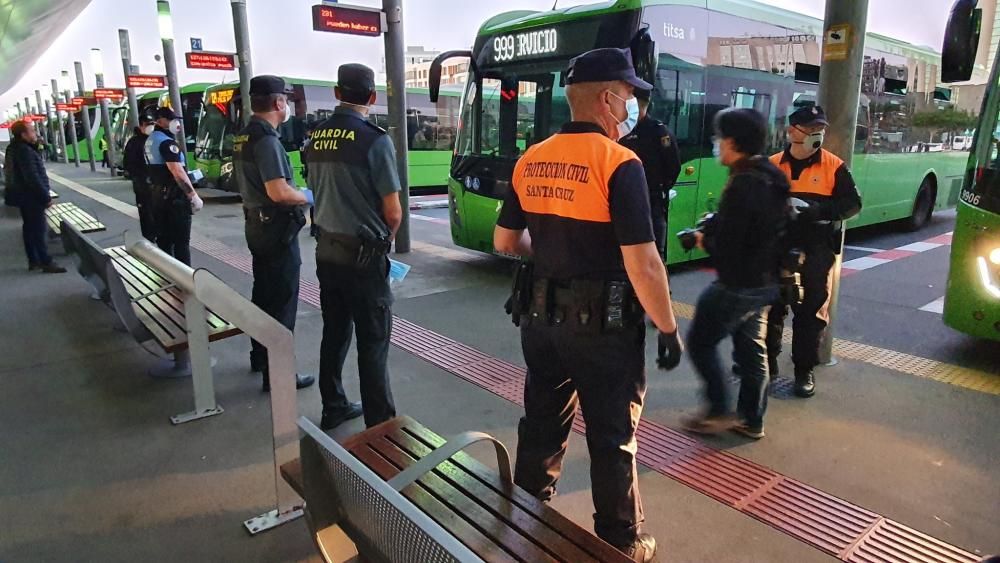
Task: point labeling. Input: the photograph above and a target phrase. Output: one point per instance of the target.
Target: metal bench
(91, 260)
(156, 303)
(72, 214)
(399, 492)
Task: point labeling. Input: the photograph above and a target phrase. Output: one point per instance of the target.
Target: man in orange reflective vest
(580, 208)
(828, 196)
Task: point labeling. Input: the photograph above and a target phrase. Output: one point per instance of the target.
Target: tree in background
(948, 120)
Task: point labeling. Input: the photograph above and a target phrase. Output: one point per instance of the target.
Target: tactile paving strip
(830, 524)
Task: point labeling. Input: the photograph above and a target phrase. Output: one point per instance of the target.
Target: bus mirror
(644, 56)
(434, 76)
(961, 41)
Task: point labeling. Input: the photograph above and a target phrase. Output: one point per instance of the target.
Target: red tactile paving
(832, 525)
(893, 254)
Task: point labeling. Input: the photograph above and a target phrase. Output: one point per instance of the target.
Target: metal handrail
(179, 273)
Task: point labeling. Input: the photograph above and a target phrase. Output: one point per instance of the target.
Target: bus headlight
(986, 276)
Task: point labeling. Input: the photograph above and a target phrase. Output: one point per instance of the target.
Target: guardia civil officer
(174, 200)
(653, 142)
(352, 168)
(579, 208)
(272, 206)
(823, 181)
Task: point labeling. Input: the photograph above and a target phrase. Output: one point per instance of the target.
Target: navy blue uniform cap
(165, 113)
(356, 77)
(602, 65)
(267, 84)
(809, 115)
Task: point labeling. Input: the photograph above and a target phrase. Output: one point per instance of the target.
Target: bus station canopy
(27, 29)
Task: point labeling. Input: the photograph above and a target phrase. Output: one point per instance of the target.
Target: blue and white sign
(196, 44)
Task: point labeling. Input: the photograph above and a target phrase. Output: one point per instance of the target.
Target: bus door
(681, 110)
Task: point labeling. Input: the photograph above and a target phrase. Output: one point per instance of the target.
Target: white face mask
(717, 149)
(147, 130)
(175, 126)
(632, 108)
(815, 140)
(288, 112)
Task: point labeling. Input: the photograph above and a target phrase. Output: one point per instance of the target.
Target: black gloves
(669, 349)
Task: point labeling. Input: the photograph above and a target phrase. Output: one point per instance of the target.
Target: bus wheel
(923, 206)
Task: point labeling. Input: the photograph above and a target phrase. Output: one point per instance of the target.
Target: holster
(271, 229)
(519, 302)
(346, 250)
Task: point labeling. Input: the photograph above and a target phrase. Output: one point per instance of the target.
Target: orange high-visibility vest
(819, 179)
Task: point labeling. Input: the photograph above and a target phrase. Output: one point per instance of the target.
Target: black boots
(332, 419)
(301, 382)
(805, 383)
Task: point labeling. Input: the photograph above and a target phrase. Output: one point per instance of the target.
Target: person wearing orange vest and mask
(828, 197)
(579, 208)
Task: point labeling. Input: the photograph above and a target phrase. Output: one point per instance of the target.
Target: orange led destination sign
(352, 20)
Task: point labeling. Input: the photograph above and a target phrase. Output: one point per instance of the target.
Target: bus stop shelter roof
(27, 29)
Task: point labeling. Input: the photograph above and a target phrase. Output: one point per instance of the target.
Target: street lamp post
(38, 104)
(78, 67)
(97, 63)
(59, 120)
(66, 85)
(166, 25)
(133, 104)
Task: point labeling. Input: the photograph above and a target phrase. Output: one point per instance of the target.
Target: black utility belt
(270, 214)
(345, 250)
(583, 305)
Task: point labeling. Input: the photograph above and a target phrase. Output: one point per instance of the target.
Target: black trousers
(605, 375)
(33, 230)
(144, 202)
(275, 289)
(172, 217)
(658, 206)
(356, 301)
(811, 316)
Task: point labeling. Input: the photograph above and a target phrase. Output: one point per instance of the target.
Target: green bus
(431, 129)
(972, 298)
(96, 132)
(192, 96)
(702, 56)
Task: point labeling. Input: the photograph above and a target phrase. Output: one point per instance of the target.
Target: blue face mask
(632, 108)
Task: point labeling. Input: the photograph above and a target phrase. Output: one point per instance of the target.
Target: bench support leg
(270, 520)
(201, 363)
(180, 366)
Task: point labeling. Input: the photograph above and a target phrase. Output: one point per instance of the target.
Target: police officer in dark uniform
(134, 162)
(653, 142)
(272, 206)
(583, 200)
(824, 183)
(174, 200)
(352, 168)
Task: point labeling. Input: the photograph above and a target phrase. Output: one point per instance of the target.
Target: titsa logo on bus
(327, 139)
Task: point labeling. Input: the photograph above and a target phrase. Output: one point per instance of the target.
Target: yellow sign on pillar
(837, 42)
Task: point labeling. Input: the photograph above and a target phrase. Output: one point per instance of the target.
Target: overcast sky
(283, 41)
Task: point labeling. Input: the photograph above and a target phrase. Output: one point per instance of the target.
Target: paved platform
(90, 468)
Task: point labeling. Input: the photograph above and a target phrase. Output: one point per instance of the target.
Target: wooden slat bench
(91, 260)
(475, 505)
(158, 305)
(69, 212)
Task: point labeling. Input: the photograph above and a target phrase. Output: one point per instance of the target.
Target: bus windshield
(983, 191)
(215, 132)
(506, 113)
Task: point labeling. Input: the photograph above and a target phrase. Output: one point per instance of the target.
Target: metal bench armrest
(444, 453)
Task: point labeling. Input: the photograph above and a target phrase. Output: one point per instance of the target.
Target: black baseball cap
(145, 118)
(356, 78)
(267, 84)
(809, 115)
(164, 113)
(601, 65)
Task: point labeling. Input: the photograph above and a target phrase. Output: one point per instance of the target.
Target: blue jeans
(33, 231)
(742, 314)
